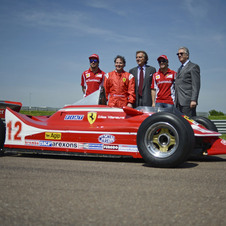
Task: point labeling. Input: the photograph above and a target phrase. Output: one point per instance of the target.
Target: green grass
(37, 113)
(222, 117)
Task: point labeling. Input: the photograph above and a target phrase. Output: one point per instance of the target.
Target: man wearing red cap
(163, 85)
(92, 79)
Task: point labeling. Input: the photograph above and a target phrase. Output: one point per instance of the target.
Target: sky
(45, 44)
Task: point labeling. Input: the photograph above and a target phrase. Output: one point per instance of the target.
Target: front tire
(165, 140)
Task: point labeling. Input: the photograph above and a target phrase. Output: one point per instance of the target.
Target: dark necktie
(180, 68)
(141, 80)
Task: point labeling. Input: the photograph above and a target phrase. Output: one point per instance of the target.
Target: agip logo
(52, 136)
(91, 116)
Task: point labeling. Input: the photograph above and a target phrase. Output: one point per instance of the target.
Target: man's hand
(193, 104)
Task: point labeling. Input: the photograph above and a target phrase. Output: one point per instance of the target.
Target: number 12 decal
(17, 127)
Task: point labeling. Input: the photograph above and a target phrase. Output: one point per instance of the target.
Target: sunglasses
(93, 60)
(162, 61)
(181, 54)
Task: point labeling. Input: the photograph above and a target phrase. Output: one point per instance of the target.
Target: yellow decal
(53, 136)
(124, 79)
(190, 120)
(92, 117)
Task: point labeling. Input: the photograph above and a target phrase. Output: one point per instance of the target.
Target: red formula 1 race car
(162, 137)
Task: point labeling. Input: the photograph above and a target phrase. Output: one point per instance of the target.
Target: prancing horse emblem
(92, 117)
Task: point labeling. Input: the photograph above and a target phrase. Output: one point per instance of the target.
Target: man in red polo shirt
(92, 79)
(163, 82)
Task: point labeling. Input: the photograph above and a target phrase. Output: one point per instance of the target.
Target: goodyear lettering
(74, 117)
(53, 136)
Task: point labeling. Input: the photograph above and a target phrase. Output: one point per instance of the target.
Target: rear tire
(165, 140)
(208, 124)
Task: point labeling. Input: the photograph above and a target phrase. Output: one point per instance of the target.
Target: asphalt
(50, 190)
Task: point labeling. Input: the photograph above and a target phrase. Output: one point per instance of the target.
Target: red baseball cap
(94, 56)
(162, 56)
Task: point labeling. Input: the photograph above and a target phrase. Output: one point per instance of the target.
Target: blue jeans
(163, 105)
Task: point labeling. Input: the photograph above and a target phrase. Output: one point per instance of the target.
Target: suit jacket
(146, 92)
(187, 84)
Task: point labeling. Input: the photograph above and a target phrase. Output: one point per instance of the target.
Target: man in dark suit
(143, 79)
(187, 84)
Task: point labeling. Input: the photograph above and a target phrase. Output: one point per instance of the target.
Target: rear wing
(16, 106)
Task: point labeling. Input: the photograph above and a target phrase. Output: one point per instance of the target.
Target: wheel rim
(161, 139)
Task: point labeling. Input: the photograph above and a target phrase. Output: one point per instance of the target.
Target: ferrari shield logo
(92, 117)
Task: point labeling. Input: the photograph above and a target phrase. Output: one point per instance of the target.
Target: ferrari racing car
(162, 137)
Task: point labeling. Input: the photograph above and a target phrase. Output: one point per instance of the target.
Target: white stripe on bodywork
(204, 132)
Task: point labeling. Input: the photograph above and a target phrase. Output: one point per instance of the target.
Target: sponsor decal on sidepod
(106, 139)
(74, 117)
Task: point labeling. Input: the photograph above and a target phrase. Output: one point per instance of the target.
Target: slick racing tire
(2, 136)
(208, 124)
(165, 140)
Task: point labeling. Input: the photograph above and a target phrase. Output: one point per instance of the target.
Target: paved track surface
(44, 190)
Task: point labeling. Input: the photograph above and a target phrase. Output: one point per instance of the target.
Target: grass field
(37, 113)
(223, 117)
